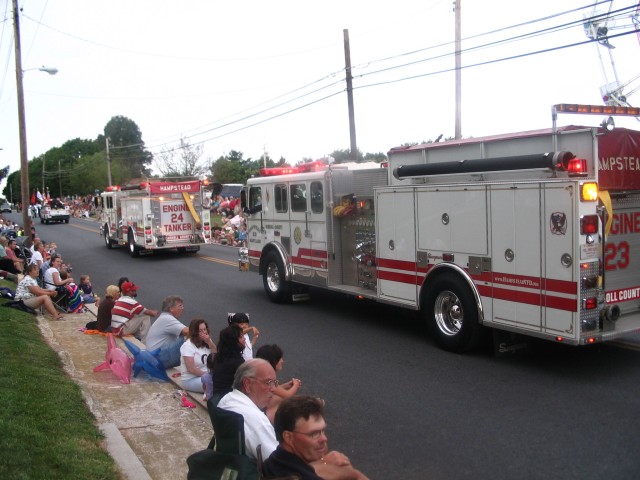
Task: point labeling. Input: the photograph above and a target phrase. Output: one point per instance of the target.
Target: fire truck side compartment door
(560, 295)
(453, 219)
(516, 251)
(396, 245)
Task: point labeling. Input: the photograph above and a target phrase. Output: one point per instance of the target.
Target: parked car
(5, 207)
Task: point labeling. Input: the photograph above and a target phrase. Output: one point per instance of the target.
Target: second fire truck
(536, 233)
(155, 215)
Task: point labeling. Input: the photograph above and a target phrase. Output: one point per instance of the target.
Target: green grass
(46, 430)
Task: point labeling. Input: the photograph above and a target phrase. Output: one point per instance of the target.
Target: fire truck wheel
(107, 240)
(278, 290)
(452, 314)
(133, 250)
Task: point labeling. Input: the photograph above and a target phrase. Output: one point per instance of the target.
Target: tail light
(589, 192)
(589, 225)
(577, 167)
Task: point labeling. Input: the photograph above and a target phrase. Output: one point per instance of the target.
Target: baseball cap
(128, 287)
(237, 318)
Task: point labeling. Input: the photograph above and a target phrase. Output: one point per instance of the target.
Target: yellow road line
(201, 257)
(217, 260)
(627, 345)
(95, 230)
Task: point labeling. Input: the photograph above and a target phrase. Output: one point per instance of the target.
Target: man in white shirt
(167, 333)
(253, 387)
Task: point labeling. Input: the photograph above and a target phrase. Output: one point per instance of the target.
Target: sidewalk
(147, 432)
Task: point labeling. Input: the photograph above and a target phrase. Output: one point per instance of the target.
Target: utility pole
(352, 123)
(22, 128)
(59, 179)
(108, 163)
(43, 172)
(458, 130)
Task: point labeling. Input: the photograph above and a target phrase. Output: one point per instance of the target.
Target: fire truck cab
(535, 233)
(155, 215)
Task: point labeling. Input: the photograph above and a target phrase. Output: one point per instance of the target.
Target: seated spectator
(33, 295)
(194, 352)
(103, 318)
(167, 332)
(217, 232)
(74, 295)
(86, 290)
(6, 263)
(37, 256)
(302, 449)
(121, 281)
(226, 361)
(231, 236)
(207, 379)
(253, 387)
(242, 320)
(52, 278)
(273, 355)
(128, 317)
(11, 254)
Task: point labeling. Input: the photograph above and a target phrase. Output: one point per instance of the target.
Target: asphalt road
(398, 406)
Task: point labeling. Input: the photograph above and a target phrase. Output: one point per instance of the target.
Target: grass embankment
(46, 430)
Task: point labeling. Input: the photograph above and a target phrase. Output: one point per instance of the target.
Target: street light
(24, 161)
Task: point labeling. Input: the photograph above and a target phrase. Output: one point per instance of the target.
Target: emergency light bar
(596, 109)
(316, 166)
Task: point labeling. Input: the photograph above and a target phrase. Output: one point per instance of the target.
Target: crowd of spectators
(288, 427)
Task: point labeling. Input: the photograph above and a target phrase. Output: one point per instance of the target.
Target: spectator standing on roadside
(167, 333)
(130, 317)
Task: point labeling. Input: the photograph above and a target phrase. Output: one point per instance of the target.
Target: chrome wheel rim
(273, 277)
(448, 313)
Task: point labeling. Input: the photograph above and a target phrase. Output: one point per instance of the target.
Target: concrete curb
(128, 462)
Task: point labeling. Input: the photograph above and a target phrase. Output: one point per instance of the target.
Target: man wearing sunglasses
(303, 450)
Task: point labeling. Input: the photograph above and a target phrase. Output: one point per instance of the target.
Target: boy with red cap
(128, 316)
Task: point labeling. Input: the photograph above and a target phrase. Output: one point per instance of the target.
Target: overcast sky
(254, 75)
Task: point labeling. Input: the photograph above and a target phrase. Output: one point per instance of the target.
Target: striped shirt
(124, 309)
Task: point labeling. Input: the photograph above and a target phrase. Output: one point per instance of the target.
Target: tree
(341, 156)
(181, 161)
(125, 143)
(4, 172)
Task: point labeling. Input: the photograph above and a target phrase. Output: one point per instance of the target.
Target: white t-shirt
(199, 355)
(257, 428)
(48, 278)
(35, 257)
